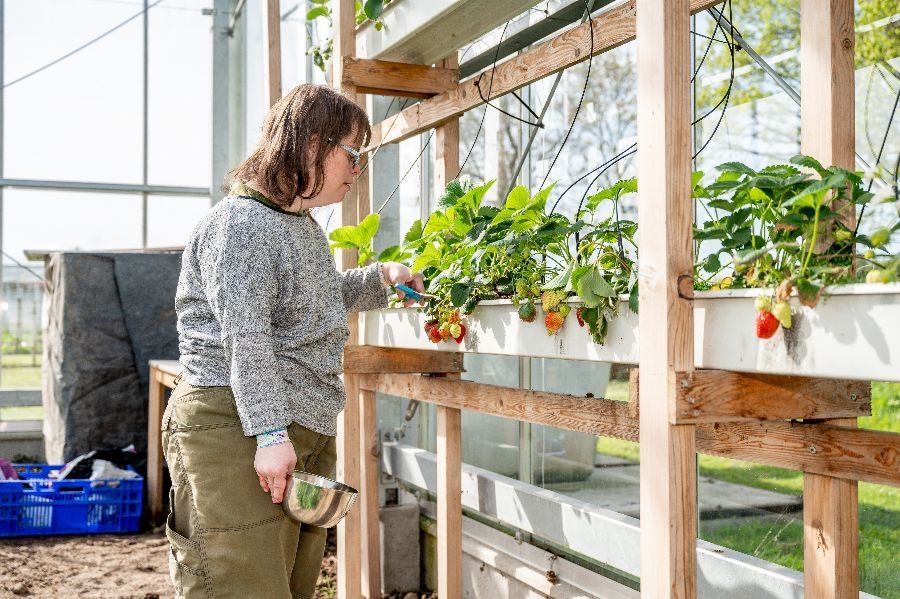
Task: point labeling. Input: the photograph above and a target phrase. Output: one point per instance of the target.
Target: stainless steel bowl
(317, 500)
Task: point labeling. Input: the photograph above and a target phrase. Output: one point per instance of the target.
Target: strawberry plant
(781, 227)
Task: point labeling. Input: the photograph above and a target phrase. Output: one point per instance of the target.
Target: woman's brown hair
(298, 133)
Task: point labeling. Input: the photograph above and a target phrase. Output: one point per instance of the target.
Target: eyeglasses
(355, 154)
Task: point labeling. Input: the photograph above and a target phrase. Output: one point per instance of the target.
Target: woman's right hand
(274, 464)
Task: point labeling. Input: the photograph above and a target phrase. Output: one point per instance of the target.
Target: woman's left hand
(394, 273)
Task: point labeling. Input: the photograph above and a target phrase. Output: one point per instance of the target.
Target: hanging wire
(484, 114)
(411, 166)
(587, 80)
(81, 47)
(878, 160)
(536, 123)
(605, 166)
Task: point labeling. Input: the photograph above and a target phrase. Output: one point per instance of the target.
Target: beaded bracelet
(276, 437)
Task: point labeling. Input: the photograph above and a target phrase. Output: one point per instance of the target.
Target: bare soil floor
(110, 567)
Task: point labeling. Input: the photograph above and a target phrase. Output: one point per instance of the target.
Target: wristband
(276, 437)
(381, 277)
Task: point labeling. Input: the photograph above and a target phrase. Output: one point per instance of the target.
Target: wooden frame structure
(748, 417)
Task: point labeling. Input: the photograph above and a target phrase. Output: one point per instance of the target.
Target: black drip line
(587, 79)
(483, 114)
(536, 123)
(632, 149)
(878, 160)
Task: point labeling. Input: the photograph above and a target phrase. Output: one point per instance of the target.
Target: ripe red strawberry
(434, 335)
(766, 325)
(553, 321)
(527, 311)
(430, 324)
(578, 317)
(462, 333)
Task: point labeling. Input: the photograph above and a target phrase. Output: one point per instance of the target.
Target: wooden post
(830, 505)
(272, 50)
(348, 471)
(155, 409)
(668, 459)
(449, 420)
(446, 144)
(449, 502)
(368, 492)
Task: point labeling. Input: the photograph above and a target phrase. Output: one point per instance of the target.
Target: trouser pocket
(185, 562)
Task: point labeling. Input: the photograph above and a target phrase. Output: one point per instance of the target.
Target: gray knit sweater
(262, 308)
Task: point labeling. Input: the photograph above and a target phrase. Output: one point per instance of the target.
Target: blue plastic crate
(40, 505)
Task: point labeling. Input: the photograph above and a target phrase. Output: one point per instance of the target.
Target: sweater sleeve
(362, 288)
(241, 285)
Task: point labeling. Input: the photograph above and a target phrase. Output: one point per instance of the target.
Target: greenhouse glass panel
(170, 219)
(80, 118)
(180, 95)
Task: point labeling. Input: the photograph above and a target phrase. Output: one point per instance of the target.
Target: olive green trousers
(226, 537)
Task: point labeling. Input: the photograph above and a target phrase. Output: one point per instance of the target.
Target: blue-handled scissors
(410, 293)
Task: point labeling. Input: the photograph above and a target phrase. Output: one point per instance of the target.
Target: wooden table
(162, 376)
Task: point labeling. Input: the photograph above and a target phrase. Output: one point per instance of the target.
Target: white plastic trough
(854, 333)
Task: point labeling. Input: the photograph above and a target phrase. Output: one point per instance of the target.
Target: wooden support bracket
(388, 78)
(364, 359)
(707, 396)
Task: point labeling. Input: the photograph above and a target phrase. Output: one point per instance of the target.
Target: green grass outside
(781, 540)
(20, 373)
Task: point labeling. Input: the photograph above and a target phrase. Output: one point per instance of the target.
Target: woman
(262, 323)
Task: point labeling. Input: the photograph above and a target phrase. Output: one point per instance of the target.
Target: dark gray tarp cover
(108, 314)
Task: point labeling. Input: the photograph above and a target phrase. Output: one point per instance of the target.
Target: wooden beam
(723, 396)
(668, 490)
(272, 50)
(584, 414)
(610, 30)
(871, 456)
(449, 502)
(827, 125)
(369, 497)
(398, 78)
(363, 359)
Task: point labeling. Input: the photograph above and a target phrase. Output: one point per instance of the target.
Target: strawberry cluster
(448, 325)
(772, 313)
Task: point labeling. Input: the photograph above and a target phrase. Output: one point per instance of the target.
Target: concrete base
(22, 441)
(495, 565)
(399, 548)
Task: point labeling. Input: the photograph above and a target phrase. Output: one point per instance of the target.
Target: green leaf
(712, 264)
(561, 279)
(318, 11)
(758, 195)
(721, 205)
(736, 167)
(593, 287)
(810, 162)
(359, 236)
(415, 232)
(393, 254)
(518, 198)
(455, 189)
(459, 293)
(374, 8)
(633, 298)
